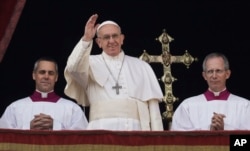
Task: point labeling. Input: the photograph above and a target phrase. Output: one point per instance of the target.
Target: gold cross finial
(166, 58)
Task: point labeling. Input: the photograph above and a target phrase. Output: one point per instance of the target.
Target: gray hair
(45, 59)
(216, 55)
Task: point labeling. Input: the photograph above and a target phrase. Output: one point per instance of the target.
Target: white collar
(44, 94)
(119, 57)
(216, 93)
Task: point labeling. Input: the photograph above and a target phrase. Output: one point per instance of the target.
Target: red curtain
(10, 11)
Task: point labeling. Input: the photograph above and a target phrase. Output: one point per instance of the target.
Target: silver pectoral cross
(117, 87)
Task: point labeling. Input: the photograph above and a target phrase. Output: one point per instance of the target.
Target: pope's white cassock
(66, 114)
(195, 113)
(90, 81)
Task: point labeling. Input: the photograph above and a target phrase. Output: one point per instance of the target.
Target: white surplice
(66, 114)
(195, 113)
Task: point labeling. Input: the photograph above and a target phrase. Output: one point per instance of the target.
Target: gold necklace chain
(117, 86)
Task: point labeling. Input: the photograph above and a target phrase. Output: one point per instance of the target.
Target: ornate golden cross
(167, 59)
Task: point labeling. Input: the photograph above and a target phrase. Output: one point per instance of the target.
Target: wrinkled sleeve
(181, 120)
(76, 72)
(8, 119)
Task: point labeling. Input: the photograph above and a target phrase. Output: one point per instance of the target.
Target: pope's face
(110, 39)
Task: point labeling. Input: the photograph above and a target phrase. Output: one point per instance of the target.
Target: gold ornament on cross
(167, 59)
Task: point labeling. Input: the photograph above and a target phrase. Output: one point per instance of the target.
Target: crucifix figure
(117, 87)
(167, 59)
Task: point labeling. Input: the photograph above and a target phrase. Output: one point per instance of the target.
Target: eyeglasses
(217, 71)
(107, 37)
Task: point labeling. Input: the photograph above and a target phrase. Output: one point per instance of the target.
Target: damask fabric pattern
(20, 140)
(10, 11)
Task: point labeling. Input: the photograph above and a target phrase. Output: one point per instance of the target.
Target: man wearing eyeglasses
(217, 108)
(122, 91)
